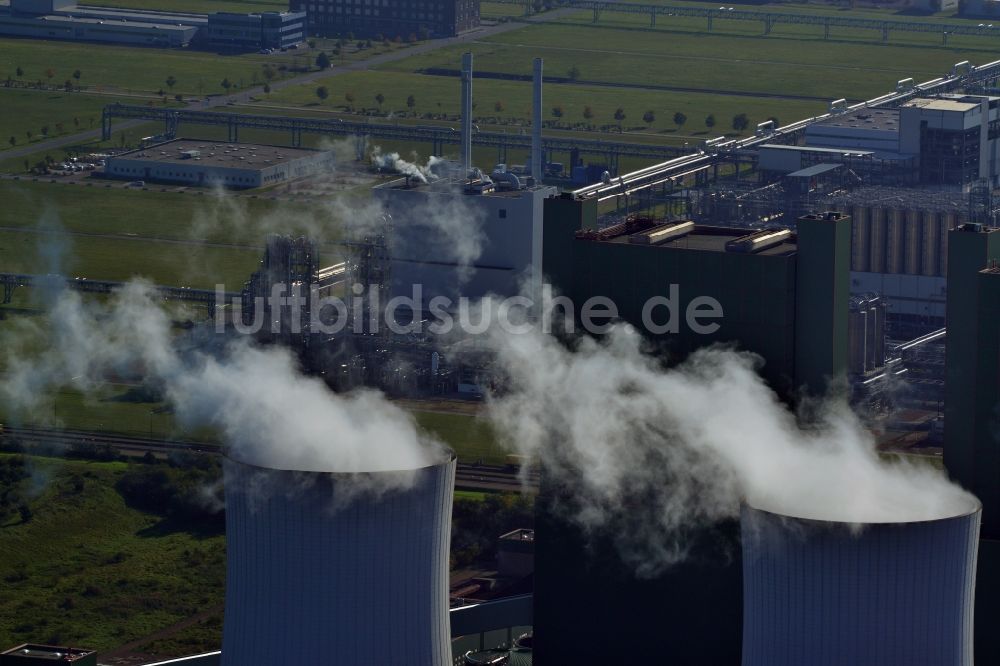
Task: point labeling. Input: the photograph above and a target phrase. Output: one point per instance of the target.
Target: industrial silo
(876, 218)
(829, 593)
(337, 568)
(931, 244)
(860, 231)
(895, 223)
(911, 258)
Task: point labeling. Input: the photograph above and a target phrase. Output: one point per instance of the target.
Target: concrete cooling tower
(334, 568)
(829, 594)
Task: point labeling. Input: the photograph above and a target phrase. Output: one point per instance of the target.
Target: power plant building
(212, 163)
(951, 139)
(784, 295)
(389, 18)
(501, 216)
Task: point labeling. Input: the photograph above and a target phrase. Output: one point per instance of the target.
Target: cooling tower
(829, 594)
(333, 568)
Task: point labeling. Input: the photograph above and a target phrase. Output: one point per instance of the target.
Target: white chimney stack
(466, 112)
(536, 123)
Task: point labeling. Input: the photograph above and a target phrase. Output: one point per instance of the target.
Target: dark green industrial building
(972, 406)
(783, 296)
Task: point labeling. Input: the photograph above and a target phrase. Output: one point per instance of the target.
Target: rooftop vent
(662, 233)
(759, 240)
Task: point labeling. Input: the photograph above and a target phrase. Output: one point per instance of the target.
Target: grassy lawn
(141, 69)
(438, 94)
(471, 437)
(88, 570)
(59, 114)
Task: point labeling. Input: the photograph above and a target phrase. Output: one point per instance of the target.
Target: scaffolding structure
(288, 271)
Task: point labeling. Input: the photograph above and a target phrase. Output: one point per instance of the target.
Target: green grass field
(88, 570)
(139, 69)
(59, 114)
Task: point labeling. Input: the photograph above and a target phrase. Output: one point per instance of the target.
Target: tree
(498, 106)
(77, 74)
(29, 134)
(680, 119)
(179, 97)
(649, 117)
(311, 43)
(619, 116)
(323, 60)
(349, 98)
(226, 83)
(574, 73)
(68, 85)
(12, 141)
(269, 72)
(710, 121)
(45, 130)
(267, 88)
(171, 81)
(25, 512)
(20, 72)
(322, 93)
(557, 111)
(49, 73)
(740, 122)
(76, 121)
(379, 99)
(411, 102)
(368, 43)
(588, 113)
(161, 93)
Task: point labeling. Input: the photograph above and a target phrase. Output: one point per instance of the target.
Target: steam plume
(651, 454)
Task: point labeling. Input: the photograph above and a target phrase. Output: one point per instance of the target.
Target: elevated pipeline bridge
(207, 297)
(882, 28)
(438, 137)
(720, 151)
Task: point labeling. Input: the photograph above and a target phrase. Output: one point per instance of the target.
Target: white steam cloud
(425, 173)
(649, 454)
(267, 411)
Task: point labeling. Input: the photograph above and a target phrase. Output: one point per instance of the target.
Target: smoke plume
(650, 454)
(267, 412)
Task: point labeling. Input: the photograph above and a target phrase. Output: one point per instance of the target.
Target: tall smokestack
(330, 567)
(466, 112)
(536, 123)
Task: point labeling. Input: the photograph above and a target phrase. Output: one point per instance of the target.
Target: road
(244, 96)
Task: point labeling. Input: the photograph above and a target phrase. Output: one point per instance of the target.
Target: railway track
(468, 476)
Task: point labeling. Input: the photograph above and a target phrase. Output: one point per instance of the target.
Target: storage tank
(860, 232)
(828, 593)
(912, 232)
(930, 243)
(328, 567)
(876, 218)
(857, 337)
(895, 222)
(946, 222)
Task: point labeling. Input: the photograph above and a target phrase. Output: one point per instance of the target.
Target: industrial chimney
(328, 567)
(466, 113)
(830, 593)
(536, 122)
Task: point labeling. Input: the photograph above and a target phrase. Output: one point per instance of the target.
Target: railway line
(468, 476)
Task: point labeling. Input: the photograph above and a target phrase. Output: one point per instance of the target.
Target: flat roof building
(233, 165)
(229, 31)
(390, 18)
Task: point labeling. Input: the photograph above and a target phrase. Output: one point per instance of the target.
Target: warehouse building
(389, 18)
(63, 19)
(229, 31)
(209, 163)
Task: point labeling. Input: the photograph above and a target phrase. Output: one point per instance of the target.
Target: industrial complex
(854, 254)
